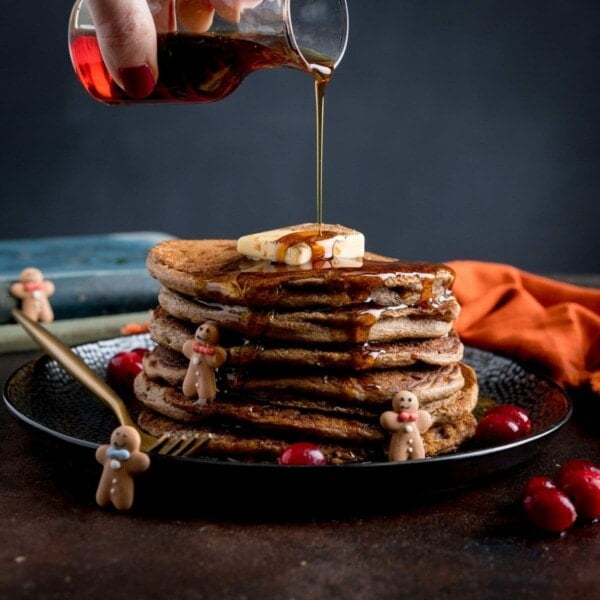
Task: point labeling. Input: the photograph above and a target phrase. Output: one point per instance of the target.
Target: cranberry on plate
(124, 366)
(302, 453)
(503, 424)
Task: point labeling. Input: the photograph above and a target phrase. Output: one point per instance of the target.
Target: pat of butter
(301, 244)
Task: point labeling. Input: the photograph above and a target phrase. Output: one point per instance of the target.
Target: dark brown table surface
(469, 543)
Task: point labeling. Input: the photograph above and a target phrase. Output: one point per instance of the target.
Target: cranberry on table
(302, 453)
(572, 468)
(554, 504)
(549, 509)
(582, 486)
(538, 482)
(124, 366)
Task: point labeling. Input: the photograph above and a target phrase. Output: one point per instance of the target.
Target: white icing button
(408, 429)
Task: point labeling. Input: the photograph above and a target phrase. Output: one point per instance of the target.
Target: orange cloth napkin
(537, 320)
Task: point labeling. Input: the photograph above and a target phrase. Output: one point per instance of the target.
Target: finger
(127, 39)
(195, 15)
(163, 13)
(231, 10)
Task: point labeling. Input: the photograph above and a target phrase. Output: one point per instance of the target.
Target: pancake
(170, 402)
(170, 367)
(463, 399)
(372, 387)
(355, 324)
(429, 383)
(242, 444)
(173, 333)
(246, 444)
(214, 271)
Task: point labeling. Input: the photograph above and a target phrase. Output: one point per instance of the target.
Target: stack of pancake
(315, 352)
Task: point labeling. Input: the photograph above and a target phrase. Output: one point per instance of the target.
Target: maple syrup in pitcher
(206, 66)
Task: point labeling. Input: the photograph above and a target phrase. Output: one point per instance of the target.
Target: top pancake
(213, 271)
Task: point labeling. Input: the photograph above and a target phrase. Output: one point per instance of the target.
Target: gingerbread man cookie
(205, 356)
(33, 291)
(406, 422)
(122, 459)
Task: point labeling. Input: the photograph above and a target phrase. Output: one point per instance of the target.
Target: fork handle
(75, 366)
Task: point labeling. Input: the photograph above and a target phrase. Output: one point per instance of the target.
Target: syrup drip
(363, 357)
(307, 237)
(426, 290)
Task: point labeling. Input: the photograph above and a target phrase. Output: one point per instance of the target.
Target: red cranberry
(549, 509)
(497, 428)
(302, 453)
(514, 413)
(124, 366)
(571, 468)
(583, 488)
(503, 423)
(538, 482)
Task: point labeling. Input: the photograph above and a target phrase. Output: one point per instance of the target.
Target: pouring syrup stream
(322, 75)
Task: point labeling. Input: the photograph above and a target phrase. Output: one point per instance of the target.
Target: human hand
(126, 32)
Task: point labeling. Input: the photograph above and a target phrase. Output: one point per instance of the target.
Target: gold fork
(171, 444)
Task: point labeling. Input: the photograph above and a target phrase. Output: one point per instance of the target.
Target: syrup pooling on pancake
(214, 271)
(345, 283)
(328, 325)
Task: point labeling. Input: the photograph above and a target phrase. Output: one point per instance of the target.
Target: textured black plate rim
(503, 456)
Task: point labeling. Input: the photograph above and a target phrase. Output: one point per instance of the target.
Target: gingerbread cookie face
(406, 422)
(121, 461)
(33, 291)
(205, 357)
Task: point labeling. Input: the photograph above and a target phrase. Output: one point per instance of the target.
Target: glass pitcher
(205, 49)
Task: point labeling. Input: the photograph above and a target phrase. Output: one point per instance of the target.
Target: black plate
(40, 394)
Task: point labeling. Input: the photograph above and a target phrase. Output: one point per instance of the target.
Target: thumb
(127, 38)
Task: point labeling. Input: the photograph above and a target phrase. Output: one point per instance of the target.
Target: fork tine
(190, 446)
(156, 442)
(171, 444)
(178, 445)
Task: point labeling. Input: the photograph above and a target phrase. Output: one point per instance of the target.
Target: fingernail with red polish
(137, 81)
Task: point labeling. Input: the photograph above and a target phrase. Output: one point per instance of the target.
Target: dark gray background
(454, 129)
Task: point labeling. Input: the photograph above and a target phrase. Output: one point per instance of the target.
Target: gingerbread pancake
(264, 413)
(372, 387)
(168, 367)
(172, 333)
(352, 324)
(249, 444)
(213, 270)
